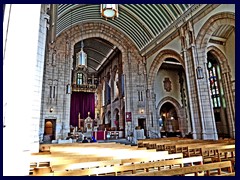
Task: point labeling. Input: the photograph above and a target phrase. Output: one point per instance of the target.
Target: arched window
(214, 77)
(108, 92)
(216, 90)
(103, 93)
(80, 78)
(115, 87)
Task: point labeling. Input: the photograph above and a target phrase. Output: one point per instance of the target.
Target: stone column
(190, 121)
(129, 126)
(22, 76)
(226, 80)
(66, 65)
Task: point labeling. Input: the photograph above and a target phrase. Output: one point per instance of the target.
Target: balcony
(84, 88)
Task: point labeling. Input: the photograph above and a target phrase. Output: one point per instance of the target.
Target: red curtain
(81, 102)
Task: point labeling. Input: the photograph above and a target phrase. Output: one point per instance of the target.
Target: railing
(153, 134)
(84, 88)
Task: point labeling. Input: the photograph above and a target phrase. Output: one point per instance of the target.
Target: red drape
(82, 102)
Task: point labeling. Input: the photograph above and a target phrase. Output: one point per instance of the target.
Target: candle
(79, 123)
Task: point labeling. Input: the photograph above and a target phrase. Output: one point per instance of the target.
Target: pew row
(130, 168)
(211, 169)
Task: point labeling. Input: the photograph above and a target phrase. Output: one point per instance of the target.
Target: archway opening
(49, 130)
(217, 95)
(169, 126)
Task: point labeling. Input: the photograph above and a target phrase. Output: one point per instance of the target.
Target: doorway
(142, 125)
(169, 120)
(49, 129)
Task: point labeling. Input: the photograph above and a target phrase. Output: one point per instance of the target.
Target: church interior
(145, 73)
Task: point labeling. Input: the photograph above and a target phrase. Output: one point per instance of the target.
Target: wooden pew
(72, 164)
(132, 168)
(199, 149)
(61, 158)
(207, 169)
(179, 146)
(144, 142)
(47, 147)
(209, 151)
(84, 165)
(224, 154)
(166, 145)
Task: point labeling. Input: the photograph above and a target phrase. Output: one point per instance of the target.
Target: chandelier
(109, 10)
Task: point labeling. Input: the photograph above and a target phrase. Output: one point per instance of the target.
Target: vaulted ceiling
(140, 22)
(143, 24)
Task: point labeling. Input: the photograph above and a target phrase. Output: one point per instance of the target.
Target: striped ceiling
(140, 22)
(223, 31)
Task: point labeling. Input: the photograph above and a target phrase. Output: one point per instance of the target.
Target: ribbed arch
(140, 22)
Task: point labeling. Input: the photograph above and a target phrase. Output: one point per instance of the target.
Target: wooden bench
(71, 166)
(60, 158)
(84, 165)
(210, 151)
(171, 145)
(47, 147)
(132, 168)
(62, 165)
(205, 169)
(224, 154)
(143, 142)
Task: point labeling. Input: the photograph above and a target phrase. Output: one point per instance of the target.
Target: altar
(88, 124)
(100, 135)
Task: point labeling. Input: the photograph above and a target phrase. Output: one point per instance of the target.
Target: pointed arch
(91, 30)
(202, 40)
(157, 62)
(211, 25)
(171, 100)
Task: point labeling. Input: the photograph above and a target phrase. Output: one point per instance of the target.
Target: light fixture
(68, 86)
(51, 109)
(109, 10)
(81, 58)
(199, 72)
(199, 69)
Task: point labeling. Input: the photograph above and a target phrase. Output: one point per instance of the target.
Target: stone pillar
(39, 77)
(20, 81)
(198, 100)
(129, 126)
(226, 80)
(205, 101)
(66, 64)
(112, 98)
(190, 121)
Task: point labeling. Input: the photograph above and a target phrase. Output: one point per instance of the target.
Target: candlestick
(79, 121)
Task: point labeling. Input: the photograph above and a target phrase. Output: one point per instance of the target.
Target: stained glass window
(214, 82)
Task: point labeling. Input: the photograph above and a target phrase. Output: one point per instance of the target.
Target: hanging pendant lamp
(109, 10)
